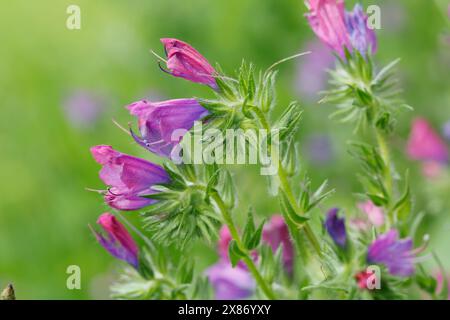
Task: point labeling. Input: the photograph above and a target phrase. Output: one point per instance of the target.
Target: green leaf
(234, 252)
(288, 211)
(403, 205)
(249, 229)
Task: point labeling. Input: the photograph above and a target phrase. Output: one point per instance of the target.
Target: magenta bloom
(117, 241)
(276, 234)
(327, 20)
(362, 37)
(335, 227)
(425, 144)
(129, 178)
(396, 254)
(340, 29)
(163, 124)
(185, 62)
(374, 214)
(224, 240)
(230, 283)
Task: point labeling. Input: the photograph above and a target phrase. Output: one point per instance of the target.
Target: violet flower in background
(446, 130)
(129, 178)
(158, 121)
(117, 241)
(425, 144)
(230, 283)
(224, 240)
(319, 149)
(374, 214)
(335, 227)
(185, 62)
(311, 74)
(362, 37)
(276, 233)
(340, 29)
(396, 254)
(83, 108)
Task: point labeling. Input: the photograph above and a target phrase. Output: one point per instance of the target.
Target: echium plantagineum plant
(298, 254)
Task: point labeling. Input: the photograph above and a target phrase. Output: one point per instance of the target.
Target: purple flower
(425, 144)
(362, 37)
(230, 283)
(340, 29)
(159, 121)
(276, 234)
(335, 227)
(82, 109)
(118, 242)
(320, 150)
(446, 130)
(326, 18)
(129, 178)
(396, 254)
(185, 62)
(312, 70)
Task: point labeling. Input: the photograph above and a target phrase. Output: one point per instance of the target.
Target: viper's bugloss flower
(396, 254)
(230, 283)
(160, 122)
(374, 214)
(425, 144)
(129, 178)
(117, 241)
(361, 36)
(224, 240)
(185, 62)
(335, 227)
(340, 29)
(276, 234)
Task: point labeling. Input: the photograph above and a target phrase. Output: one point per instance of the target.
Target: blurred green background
(45, 162)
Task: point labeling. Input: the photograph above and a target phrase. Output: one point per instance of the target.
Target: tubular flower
(185, 62)
(129, 178)
(396, 254)
(340, 29)
(160, 123)
(425, 144)
(117, 241)
(276, 234)
(335, 227)
(361, 36)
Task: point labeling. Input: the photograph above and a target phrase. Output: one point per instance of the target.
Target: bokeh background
(60, 88)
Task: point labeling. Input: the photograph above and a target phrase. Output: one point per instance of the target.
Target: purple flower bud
(335, 227)
(129, 178)
(159, 122)
(230, 283)
(276, 234)
(117, 241)
(397, 255)
(340, 29)
(185, 62)
(425, 144)
(327, 20)
(362, 37)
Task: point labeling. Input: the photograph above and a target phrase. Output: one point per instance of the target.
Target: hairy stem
(247, 258)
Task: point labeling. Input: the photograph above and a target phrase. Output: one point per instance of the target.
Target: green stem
(247, 259)
(288, 190)
(384, 152)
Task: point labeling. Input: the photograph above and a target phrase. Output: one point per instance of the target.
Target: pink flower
(374, 214)
(118, 242)
(425, 144)
(276, 234)
(185, 62)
